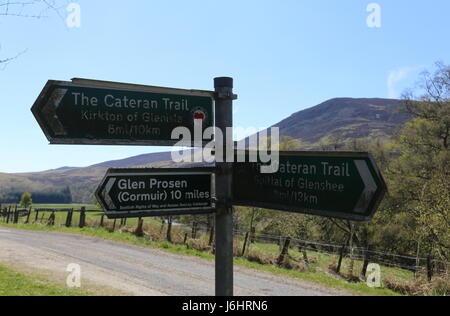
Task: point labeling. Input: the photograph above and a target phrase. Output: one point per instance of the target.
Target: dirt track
(137, 270)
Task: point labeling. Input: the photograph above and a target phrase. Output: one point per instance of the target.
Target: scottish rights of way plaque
(157, 192)
(332, 184)
(91, 112)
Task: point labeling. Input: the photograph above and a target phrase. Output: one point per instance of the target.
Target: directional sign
(340, 185)
(105, 113)
(156, 192)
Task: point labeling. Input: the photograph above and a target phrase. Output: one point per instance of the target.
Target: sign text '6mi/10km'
(154, 192)
(106, 113)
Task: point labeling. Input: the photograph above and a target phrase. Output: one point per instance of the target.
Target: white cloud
(395, 76)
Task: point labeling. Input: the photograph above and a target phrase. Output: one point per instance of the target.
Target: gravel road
(138, 270)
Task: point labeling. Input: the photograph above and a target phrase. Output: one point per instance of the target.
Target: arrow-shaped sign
(157, 192)
(332, 184)
(107, 113)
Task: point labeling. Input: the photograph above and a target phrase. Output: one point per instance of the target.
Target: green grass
(13, 283)
(324, 260)
(318, 277)
(61, 206)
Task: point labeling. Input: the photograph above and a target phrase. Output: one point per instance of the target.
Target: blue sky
(285, 56)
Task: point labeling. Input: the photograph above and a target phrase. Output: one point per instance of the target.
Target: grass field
(13, 283)
(318, 270)
(119, 236)
(68, 206)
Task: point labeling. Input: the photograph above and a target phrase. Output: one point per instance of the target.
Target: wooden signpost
(89, 112)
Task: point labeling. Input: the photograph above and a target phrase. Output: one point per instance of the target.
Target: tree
(420, 175)
(26, 200)
(286, 143)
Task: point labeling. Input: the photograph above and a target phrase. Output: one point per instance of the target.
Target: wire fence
(11, 214)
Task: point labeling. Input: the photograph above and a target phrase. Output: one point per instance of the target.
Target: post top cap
(222, 82)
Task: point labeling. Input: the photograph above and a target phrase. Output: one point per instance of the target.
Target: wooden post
(51, 219)
(417, 271)
(352, 250)
(28, 216)
(430, 268)
(341, 256)
(16, 215)
(36, 217)
(82, 217)
(102, 221)
(185, 238)
(284, 251)
(169, 229)
(69, 218)
(114, 225)
(366, 262)
(194, 230)
(211, 236)
(253, 235)
(140, 228)
(245, 244)
(8, 212)
(163, 222)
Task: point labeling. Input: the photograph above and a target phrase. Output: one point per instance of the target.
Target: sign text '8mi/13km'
(156, 192)
(332, 184)
(106, 113)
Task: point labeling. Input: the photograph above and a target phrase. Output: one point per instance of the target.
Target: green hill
(342, 119)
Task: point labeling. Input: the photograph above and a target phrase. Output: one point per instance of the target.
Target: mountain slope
(347, 118)
(344, 118)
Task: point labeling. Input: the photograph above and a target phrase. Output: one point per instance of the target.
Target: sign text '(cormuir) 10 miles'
(71, 113)
(155, 190)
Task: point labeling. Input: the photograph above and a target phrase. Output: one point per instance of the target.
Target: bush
(198, 244)
(440, 286)
(259, 257)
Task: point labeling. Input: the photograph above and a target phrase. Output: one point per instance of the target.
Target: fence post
(140, 230)
(194, 230)
(253, 235)
(185, 238)
(51, 219)
(16, 215)
(36, 217)
(341, 256)
(285, 251)
(28, 216)
(366, 262)
(102, 221)
(82, 217)
(429, 268)
(69, 218)
(114, 225)
(245, 244)
(352, 250)
(211, 236)
(8, 214)
(169, 229)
